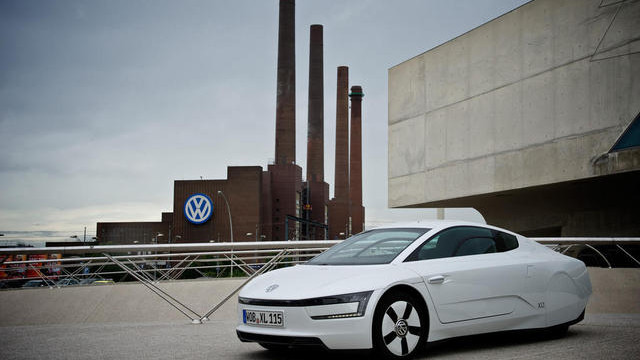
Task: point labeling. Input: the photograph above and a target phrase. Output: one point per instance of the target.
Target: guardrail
(171, 261)
(566, 244)
(151, 263)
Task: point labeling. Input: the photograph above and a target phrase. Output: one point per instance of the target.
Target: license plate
(263, 318)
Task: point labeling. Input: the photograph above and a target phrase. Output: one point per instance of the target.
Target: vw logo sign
(198, 208)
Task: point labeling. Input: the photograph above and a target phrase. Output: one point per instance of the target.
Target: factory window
(630, 137)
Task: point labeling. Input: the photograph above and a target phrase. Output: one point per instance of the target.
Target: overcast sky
(104, 103)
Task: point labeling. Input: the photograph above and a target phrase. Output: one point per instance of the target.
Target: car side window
(475, 246)
(463, 241)
(504, 241)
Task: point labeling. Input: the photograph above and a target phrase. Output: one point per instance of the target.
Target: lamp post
(155, 260)
(230, 227)
(177, 238)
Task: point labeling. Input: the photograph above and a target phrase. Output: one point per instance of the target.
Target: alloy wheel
(401, 328)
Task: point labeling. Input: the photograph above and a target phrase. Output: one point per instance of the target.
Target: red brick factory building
(275, 204)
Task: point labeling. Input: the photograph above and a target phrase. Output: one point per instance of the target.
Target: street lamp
(155, 260)
(177, 238)
(230, 227)
(228, 211)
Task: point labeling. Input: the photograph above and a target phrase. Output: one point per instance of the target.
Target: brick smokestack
(339, 219)
(315, 132)
(342, 136)
(316, 191)
(286, 85)
(355, 163)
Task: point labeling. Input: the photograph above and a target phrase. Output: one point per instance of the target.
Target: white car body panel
(527, 287)
(470, 289)
(311, 281)
(335, 334)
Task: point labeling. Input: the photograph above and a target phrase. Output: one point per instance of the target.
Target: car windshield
(371, 247)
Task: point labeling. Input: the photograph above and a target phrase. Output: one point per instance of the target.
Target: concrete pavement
(600, 336)
(126, 321)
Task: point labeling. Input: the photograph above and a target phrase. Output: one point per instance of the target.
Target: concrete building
(528, 118)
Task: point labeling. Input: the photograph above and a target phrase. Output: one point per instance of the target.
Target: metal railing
(171, 261)
(150, 264)
(565, 244)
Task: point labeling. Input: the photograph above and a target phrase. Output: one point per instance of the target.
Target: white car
(396, 287)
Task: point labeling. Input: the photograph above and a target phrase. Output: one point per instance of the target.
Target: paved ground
(121, 322)
(600, 336)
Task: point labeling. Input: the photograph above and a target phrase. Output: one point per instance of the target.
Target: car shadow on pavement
(495, 341)
(456, 346)
(311, 354)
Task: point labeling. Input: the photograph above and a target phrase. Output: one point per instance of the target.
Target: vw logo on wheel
(401, 328)
(198, 208)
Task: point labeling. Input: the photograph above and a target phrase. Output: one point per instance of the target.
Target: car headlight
(338, 306)
(328, 307)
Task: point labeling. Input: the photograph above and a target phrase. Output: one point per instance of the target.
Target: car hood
(310, 281)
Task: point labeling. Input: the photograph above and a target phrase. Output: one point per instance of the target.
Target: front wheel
(400, 326)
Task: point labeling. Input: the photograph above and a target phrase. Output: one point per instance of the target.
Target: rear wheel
(400, 326)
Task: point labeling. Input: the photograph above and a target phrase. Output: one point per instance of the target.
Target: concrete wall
(531, 98)
(615, 291)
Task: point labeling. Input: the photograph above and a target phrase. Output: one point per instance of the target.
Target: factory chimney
(342, 136)
(355, 163)
(339, 219)
(286, 86)
(283, 180)
(316, 190)
(315, 131)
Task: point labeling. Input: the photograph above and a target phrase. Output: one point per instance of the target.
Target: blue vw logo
(198, 208)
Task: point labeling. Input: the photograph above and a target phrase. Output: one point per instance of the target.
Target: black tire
(400, 326)
(274, 347)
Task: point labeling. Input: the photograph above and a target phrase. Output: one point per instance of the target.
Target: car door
(468, 273)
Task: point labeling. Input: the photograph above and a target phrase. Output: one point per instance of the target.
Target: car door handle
(436, 279)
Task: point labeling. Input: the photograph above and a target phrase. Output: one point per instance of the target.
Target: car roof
(437, 225)
(432, 224)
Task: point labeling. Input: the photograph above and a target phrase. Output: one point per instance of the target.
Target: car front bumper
(300, 329)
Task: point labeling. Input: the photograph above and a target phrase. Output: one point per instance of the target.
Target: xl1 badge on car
(397, 287)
